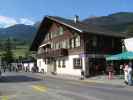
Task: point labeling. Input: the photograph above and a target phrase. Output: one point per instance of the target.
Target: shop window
(77, 63)
(48, 61)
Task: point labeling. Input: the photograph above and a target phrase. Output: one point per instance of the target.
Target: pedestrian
(126, 73)
(82, 74)
(129, 74)
(44, 74)
(110, 71)
(121, 70)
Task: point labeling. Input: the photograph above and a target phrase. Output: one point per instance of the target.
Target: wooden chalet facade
(68, 46)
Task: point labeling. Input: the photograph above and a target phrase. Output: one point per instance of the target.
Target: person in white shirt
(126, 73)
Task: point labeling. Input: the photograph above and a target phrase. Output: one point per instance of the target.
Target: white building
(67, 47)
(129, 44)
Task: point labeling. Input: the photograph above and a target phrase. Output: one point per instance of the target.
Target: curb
(85, 81)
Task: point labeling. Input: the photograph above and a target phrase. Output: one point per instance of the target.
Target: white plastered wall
(69, 66)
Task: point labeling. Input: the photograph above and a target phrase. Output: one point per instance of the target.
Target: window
(64, 44)
(77, 63)
(52, 45)
(67, 44)
(59, 64)
(63, 63)
(61, 31)
(47, 61)
(60, 44)
(77, 41)
(48, 36)
(57, 45)
(40, 50)
(72, 43)
(51, 35)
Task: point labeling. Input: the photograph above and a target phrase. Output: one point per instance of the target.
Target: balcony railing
(53, 53)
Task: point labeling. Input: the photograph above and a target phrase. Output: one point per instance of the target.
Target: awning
(122, 56)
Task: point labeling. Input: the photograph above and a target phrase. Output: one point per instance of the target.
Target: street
(31, 86)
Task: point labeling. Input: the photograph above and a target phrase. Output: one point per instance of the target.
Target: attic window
(61, 30)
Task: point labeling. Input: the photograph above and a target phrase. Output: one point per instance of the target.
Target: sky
(29, 11)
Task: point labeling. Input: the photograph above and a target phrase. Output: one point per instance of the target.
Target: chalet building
(68, 46)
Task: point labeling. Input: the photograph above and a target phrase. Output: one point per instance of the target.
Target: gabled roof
(85, 28)
(78, 26)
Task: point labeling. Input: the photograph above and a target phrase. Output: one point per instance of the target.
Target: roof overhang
(70, 26)
(43, 45)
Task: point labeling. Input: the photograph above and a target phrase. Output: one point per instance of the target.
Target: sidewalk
(102, 79)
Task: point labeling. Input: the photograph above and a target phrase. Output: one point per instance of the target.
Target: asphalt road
(30, 86)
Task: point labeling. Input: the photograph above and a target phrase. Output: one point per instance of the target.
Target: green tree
(8, 54)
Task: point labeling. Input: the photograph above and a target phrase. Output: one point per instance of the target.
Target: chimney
(76, 18)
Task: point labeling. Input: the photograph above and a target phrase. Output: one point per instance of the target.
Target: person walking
(110, 70)
(126, 73)
(82, 74)
(121, 71)
(129, 74)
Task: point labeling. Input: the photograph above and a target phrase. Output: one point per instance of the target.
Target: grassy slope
(21, 50)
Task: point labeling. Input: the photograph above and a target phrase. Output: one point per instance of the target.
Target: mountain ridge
(118, 22)
(19, 31)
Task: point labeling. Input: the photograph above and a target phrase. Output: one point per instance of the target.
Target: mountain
(18, 31)
(118, 22)
(37, 24)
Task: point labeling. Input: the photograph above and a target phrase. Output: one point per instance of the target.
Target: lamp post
(123, 50)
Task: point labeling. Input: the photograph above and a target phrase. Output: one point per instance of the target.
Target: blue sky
(26, 11)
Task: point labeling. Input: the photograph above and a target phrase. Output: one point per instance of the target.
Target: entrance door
(96, 66)
(52, 66)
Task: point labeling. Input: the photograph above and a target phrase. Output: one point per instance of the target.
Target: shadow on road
(20, 78)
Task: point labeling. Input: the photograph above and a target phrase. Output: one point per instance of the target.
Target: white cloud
(7, 21)
(26, 21)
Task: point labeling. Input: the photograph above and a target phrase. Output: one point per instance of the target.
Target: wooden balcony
(53, 53)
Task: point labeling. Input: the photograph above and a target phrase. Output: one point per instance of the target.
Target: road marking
(90, 81)
(40, 87)
(5, 98)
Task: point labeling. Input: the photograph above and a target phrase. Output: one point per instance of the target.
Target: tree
(8, 54)
(130, 29)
